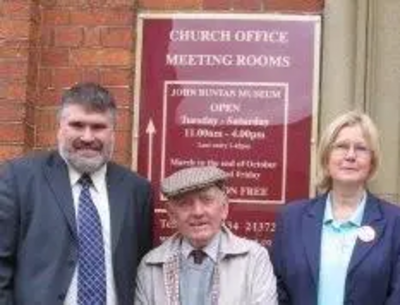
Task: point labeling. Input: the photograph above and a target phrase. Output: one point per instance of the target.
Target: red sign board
(235, 91)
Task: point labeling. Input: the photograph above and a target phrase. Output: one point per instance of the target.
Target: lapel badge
(366, 234)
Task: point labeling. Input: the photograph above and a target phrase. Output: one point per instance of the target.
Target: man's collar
(211, 249)
(98, 177)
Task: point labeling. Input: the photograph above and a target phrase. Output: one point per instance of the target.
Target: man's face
(199, 215)
(85, 138)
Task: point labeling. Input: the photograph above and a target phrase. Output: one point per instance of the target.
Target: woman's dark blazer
(373, 275)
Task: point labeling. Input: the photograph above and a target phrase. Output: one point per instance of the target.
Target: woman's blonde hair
(348, 119)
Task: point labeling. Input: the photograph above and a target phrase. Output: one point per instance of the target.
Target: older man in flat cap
(203, 263)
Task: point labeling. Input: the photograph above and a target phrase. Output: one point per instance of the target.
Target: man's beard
(84, 164)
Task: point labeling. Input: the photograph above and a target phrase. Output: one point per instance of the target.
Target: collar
(356, 217)
(229, 245)
(98, 177)
(211, 249)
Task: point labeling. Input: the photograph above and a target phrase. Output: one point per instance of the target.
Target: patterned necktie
(91, 267)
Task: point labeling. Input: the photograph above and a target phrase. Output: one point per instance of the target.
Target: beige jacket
(243, 275)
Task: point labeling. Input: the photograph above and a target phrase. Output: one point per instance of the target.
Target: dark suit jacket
(373, 276)
(38, 238)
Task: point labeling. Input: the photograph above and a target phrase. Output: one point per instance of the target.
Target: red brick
(45, 138)
(114, 77)
(117, 37)
(123, 158)
(13, 91)
(12, 112)
(68, 36)
(34, 34)
(11, 133)
(15, 10)
(104, 17)
(49, 97)
(91, 75)
(123, 140)
(33, 67)
(123, 96)
(295, 5)
(14, 29)
(35, 54)
(13, 70)
(56, 17)
(121, 3)
(96, 3)
(29, 136)
(185, 4)
(64, 77)
(48, 4)
(101, 57)
(45, 78)
(250, 5)
(55, 57)
(124, 119)
(15, 52)
(216, 4)
(69, 3)
(47, 36)
(170, 4)
(46, 118)
(32, 94)
(29, 115)
(35, 12)
(16, 43)
(8, 152)
(92, 36)
(18, 1)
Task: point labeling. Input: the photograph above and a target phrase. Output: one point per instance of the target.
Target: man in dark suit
(73, 224)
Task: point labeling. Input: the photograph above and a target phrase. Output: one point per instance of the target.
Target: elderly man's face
(85, 139)
(199, 215)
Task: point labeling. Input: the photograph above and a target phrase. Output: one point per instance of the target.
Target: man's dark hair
(91, 96)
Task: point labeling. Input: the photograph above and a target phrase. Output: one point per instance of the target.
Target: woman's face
(349, 161)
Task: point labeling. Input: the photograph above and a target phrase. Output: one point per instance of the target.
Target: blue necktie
(91, 266)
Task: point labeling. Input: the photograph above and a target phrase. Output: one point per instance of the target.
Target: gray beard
(83, 165)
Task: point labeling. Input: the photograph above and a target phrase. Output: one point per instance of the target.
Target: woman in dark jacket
(342, 247)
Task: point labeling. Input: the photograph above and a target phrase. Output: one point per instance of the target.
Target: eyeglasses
(343, 149)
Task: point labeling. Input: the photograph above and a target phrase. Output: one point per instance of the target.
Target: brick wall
(47, 45)
(15, 27)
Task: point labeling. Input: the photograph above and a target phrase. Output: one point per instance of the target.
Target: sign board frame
(283, 48)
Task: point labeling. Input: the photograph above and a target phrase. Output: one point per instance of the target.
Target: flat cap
(191, 179)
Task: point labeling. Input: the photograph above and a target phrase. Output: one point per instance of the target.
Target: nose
(351, 153)
(87, 135)
(198, 208)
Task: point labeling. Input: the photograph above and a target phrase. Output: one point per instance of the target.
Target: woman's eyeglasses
(344, 148)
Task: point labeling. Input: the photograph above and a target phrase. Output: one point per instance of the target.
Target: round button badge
(366, 234)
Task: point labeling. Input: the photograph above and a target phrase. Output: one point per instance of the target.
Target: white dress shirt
(100, 198)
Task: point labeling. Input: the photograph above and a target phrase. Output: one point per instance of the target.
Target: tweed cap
(191, 179)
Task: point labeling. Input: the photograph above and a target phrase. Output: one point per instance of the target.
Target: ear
(59, 134)
(170, 211)
(225, 210)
